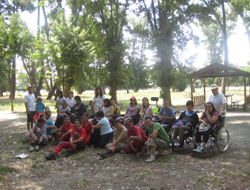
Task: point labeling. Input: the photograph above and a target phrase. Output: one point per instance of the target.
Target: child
(40, 107)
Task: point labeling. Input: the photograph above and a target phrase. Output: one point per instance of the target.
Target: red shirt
(137, 131)
(65, 128)
(87, 128)
(81, 132)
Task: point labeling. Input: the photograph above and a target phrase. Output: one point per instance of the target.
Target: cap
(39, 99)
(129, 121)
(132, 98)
(213, 86)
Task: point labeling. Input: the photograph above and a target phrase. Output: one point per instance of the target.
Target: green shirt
(162, 134)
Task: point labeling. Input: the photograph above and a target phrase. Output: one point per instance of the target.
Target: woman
(64, 110)
(76, 142)
(107, 109)
(132, 109)
(70, 101)
(87, 125)
(116, 108)
(106, 133)
(146, 111)
(208, 119)
(59, 100)
(78, 109)
(98, 98)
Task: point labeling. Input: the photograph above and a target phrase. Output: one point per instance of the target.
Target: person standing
(219, 101)
(98, 98)
(29, 101)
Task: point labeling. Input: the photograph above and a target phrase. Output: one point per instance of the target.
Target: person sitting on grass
(64, 110)
(157, 138)
(166, 114)
(49, 131)
(70, 101)
(39, 130)
(40, 107)
(120, 140)
(146, 111)
(77, 137)
(132, 109)
(92, 110)
(186, 120)
(107, 109)
(66, 129)
(48, 116)
(78, 109)
(116, 108)
(87, 125)
(136, 138)
(106, 132)
(208, 119)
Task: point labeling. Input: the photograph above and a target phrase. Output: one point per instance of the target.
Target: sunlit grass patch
(167, 158)
(5, 170)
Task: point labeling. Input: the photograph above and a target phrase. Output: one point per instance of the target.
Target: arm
(151, 113)
(135, 137)
(142, 111)
(212, 119)
(136, 111)
(98, 125)
(223, 109)
(126, 113)
(154, 134)
(27, 109)
(111, 112)
(52, 127)
(76, 141)
(67, 133)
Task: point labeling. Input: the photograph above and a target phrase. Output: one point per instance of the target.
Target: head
(118, 124)
(63, 104)
(67, 120)
(39, 100)
(48, 114)
(78, 99)
(145, 102)
(190, 105)
(133, 101)
(70, 94)
(106, 102)
(99, 115)
(149, 122)
(91, 103)
(43, 117)
(40, 122)
(214, 89)
(60, 94)
(85, 117)
(129, 123)
(98, 91)
(166, 104)
(210, 107)
(77, 124)
(30, 90)
(112, 102)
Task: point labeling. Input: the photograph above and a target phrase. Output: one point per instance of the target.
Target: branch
(148, 14)
(123, 21)
(153, 7)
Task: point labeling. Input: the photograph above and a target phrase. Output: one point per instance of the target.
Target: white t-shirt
(50, 119)
(70, 102)
(99, 101)
(218, 102)
(146, 113)
(30, 99)
(59, 101)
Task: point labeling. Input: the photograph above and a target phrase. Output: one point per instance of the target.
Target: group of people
(74, 129)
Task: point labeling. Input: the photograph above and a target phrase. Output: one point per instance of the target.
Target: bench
(235, 104)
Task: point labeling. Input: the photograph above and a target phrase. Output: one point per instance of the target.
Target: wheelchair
(219, 140)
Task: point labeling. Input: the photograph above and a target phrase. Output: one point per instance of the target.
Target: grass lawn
(178, 98)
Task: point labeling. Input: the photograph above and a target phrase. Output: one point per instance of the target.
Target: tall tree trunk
(28, 73)
(224, 79)
(127, 89)
(37, 93)
(13, 78)
(10, 85)
(38, 20)
(46, 23)
(34, 74)
(52, 92)
(103, 90)
(47, 84)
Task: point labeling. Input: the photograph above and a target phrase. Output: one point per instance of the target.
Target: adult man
(219, 101)
(48, 116)
(39, 130)
(77, 137)
(120, 140)
(29, 101)
(158, 138)
(166, 115)
(136, 138)
(92, 110)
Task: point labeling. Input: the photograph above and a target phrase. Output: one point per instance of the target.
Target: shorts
(30, 116)
(158, 143)
(121, 146)
(45, 140)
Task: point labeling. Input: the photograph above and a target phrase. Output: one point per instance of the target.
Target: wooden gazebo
(216, 70)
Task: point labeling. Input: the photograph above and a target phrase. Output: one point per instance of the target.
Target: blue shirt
(105, 128)
(168, 113)
(40, 107)
(48, 130)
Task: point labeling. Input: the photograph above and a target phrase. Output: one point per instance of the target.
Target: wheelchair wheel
(210, 146)
(222, 139)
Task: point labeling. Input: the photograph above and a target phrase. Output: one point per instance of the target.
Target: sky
(238, 43)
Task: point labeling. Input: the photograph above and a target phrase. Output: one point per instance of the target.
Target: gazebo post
(204, 87)
(191, 82)
(245, 91)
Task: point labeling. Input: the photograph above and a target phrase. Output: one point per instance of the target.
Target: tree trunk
(47, 84)
(46, 22)
(103, 90)
(10, 86)
(28, 73)
(224, 79)
(65, 90)
(34, 74)
(127, 89)
(52, 92)
(173, 88)
(37, 93)
(13, 79)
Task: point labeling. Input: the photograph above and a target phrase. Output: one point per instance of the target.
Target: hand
(72, 145)
(223, 112)
(205, 123)
(92, 131)
(148, 145)
(207, 113)
(189, 124)
(72, 114)
(28, 112)
(133, 149)
(130, 138)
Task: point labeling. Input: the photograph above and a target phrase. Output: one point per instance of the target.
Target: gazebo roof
(217, 70)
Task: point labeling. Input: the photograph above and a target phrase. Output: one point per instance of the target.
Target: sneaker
(37, 147)
(52, 156)
(122, 152)
(69, 153)
(26, 140)
(197, 149)
(201, 150)
(32, 149)
(151, 159)
(102, 155)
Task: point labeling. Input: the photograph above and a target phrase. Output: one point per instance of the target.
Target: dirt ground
(178, 170)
